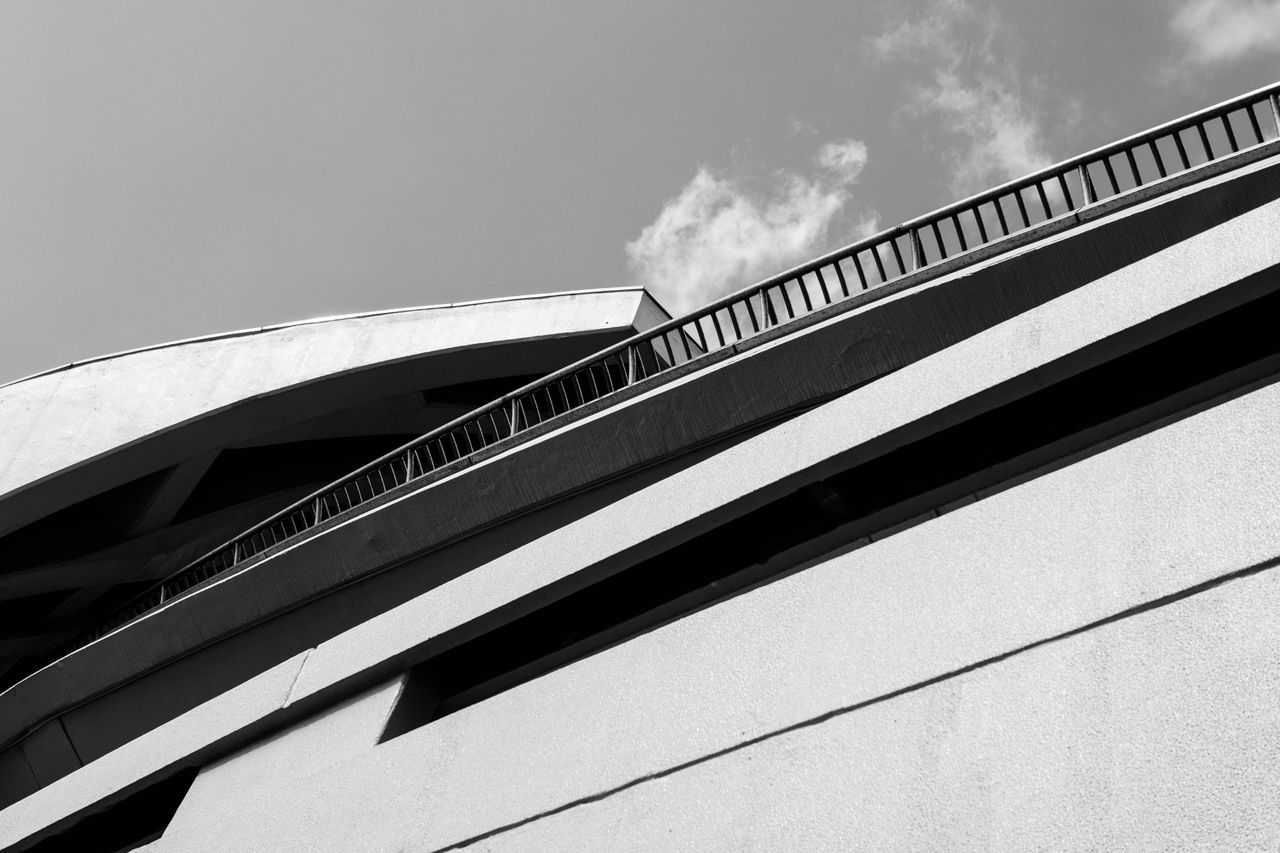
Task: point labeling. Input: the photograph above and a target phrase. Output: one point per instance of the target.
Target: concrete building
(965, 536)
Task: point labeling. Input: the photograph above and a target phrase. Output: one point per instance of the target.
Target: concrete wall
(309, 748)
(1182, 257)
(889, 694)
(1177, 507)
(916, 653)
(1154, 733)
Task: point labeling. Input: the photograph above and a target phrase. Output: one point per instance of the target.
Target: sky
(177, 168)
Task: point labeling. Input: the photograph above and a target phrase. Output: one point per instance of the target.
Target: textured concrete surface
(1147, 519)
(1158, 732)
(1114, 534)
(652, 424)
(60, 420)
(304, 749)
(1105, 307)
(179, 742)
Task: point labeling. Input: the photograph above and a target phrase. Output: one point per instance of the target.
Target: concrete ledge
(1152, 733)
(1170, 510)
(1126, 252)
(181, 743)
(360, 657)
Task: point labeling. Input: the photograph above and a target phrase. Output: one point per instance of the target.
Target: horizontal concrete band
(1079, 319)
(1152, 518)
(1156, 732)
(839, 354)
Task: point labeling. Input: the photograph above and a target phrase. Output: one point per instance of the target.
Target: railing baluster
(937, 235)
(822, 285)
(1044, 200)
(982, 228)
(786, 302)
(1022, 208)
(1253, 123)
(862, 276)
(1204, 140)
(897, 256)
(804, 292)
(733, 320)
(702, 337)
(1231, 134)
(1133, 167)
(875, 256)
(955, 221)
(1004, 226)
(751, 315)
(844, 286)
(1066, 191)
(1111, 175)
(715, 324)
(1155, 155)
(1182, 149)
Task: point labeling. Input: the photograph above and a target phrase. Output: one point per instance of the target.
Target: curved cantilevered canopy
(117, 470)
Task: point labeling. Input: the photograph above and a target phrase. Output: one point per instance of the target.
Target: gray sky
(170, 169)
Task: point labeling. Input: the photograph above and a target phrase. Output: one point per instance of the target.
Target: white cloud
(1218, 31)
(974, 89)
(717, 235)
(843, 159)
(799, 127)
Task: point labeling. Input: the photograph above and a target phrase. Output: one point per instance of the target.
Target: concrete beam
(147, 557)
(19, 643)
(171, 494)
(70, 575)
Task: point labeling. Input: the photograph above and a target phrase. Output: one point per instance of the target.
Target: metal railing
(1052, 193)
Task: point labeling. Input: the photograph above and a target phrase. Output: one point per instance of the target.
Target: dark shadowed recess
(1117, 398)
(260, 479)
(132, 822)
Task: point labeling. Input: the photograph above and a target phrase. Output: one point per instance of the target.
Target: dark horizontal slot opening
(138, 819)
(756, 546)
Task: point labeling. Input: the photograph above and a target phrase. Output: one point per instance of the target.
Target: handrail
(957, 229)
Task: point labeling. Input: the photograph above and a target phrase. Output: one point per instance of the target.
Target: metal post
(1086, 185)
(1275, 111)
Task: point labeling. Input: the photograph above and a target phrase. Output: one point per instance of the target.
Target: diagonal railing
(1056, 192)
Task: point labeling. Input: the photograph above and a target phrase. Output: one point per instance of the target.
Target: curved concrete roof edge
(563, 316)
(253, 330)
